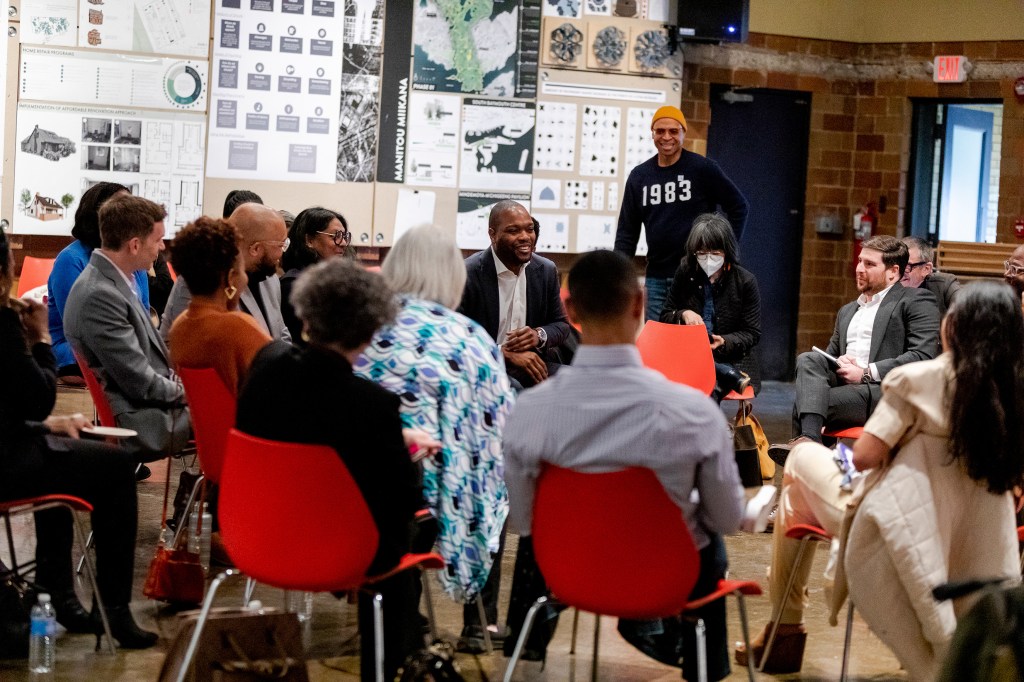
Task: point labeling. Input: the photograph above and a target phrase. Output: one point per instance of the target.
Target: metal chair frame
(43, 503)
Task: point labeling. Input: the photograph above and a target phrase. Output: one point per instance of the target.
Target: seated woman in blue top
(69, 265)
(450, 376)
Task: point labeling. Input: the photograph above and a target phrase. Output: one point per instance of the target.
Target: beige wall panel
(385, 204)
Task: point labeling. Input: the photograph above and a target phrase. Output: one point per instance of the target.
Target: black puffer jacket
(737, 312)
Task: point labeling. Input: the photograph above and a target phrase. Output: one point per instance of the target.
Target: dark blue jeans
(657, 292)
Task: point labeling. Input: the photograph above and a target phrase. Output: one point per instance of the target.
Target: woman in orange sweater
(212, 332)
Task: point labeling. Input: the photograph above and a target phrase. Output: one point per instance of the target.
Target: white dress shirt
(858, 334)
(511, 298)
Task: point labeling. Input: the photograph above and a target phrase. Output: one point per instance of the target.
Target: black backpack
(988, 645)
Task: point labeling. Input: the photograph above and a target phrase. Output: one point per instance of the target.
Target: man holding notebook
(887, 326)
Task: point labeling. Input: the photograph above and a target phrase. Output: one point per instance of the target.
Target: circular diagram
(566, 43)
(183, 85)
(651, 50)
(610, 46)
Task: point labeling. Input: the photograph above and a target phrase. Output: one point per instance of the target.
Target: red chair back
(681, 352)
(212, 407)
(613, 543)
(35, 272)
(104, 412)
(291, 515)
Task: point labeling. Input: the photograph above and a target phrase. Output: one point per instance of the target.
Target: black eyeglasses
(339, 237)
(911, 266)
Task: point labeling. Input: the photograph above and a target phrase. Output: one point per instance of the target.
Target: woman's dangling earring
(230, 291)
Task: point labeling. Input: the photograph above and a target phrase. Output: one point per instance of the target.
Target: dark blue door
(966, 160)
(759, 138)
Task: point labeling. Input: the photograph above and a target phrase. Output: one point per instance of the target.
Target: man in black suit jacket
(887, 326)
(921, 272)
(514, 294)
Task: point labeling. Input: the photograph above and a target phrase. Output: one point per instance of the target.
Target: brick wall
(859, 147)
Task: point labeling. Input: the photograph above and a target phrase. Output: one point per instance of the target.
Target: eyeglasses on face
(1011, 268)
(339, 237)
(911, 266)
(283, 245)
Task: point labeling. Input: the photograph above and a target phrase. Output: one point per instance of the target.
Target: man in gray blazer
(887, 326)
(107, 326)
(264, 239)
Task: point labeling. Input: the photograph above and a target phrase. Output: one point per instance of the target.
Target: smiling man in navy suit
(514, 294)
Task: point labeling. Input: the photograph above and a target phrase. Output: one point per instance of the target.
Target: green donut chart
(183, 85)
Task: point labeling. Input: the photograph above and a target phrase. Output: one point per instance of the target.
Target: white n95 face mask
(710, 263)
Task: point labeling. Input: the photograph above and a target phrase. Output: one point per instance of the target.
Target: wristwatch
(866, 377)
(542, 335)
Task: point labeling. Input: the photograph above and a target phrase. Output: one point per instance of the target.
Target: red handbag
(175, 574)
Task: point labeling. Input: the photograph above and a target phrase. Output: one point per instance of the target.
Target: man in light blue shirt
(607, 411)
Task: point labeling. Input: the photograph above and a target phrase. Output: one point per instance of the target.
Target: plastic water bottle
(42, 652)
(301, 604)
(199, 539)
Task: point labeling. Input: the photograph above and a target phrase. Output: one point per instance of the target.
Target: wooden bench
(971, 260)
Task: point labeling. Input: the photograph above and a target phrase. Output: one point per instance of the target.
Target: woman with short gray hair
(451, 379)
(308, 394)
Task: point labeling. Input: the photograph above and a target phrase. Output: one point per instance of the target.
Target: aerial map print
(466, 46)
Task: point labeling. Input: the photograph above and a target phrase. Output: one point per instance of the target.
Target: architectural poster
(276, 93)
(64, 150)
(360, 82)
(497, 145)
(474, 210)
(180, 27)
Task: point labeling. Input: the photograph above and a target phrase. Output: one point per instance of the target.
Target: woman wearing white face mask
(710, 288)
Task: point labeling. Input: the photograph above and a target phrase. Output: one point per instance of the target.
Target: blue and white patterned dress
(451, 379)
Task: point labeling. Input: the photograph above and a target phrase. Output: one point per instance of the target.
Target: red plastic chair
(806, 534)
(104, 412)
(615, 544)
(35, 272)
(213, 414)
(680, 352)
(171, 272)
(298, 486)
(73, 504)
(564, 294)
(852, 432)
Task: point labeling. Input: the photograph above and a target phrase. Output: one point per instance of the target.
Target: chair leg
(597, 641)
(741, 602)
(250, 589)
(430, 606)
(702, 651)
(846, 644)
(378, 635)
(521, 642)
(91, 573)
(483, 623)
(81, 562)
(776, 617)
(575, 627)
(204, 615)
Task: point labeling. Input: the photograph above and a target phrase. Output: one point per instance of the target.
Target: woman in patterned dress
(449, 375)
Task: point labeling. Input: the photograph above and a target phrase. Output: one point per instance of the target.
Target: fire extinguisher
(864, 222)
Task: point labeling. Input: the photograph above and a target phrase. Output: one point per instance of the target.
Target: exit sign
(950, 69)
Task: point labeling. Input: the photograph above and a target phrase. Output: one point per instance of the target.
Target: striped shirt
(607, 411)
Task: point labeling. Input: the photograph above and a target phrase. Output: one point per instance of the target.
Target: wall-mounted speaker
(714, 20)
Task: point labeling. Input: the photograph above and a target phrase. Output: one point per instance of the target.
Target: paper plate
(110, 431)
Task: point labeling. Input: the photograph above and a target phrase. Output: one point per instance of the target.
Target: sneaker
(759, 508)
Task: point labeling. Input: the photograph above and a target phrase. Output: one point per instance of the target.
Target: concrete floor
(332, 640)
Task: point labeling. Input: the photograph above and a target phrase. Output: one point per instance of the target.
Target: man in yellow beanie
(665, 194)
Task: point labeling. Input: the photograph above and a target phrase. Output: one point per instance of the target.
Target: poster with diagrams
(473, 212)
(599, 140)
(554, 232)
(49, 22)
(497, 145)
(433, 142)
(475, 47)
(639, 143)
(179, 27)
(555, 145)
(563, 8)
(64, 150)
(595, 232)
(275, 90)
(360, 83)
(95, 78)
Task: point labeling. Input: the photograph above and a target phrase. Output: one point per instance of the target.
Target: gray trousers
(819, 391)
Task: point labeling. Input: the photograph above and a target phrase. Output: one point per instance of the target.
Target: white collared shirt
(858, 334)
(511, 298)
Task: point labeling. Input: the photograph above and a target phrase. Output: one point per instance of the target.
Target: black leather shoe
(124, 628)
(142, 473)
(71, 614)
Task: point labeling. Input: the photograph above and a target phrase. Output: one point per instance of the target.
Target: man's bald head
(263, 234)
